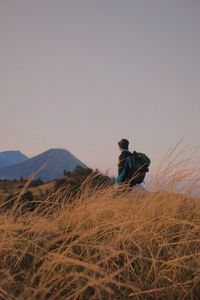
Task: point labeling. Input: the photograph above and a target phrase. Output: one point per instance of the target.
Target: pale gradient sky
(81, 75)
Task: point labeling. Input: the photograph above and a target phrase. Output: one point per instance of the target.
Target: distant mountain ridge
(47, 166)
(11, 157)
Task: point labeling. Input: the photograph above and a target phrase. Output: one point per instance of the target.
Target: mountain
(47, 166)
(11, 157)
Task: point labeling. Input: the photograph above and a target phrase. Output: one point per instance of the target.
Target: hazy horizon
(81, 75)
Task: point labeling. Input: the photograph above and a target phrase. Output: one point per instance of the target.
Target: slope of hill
(47, 166)
(11, 157)
(107, 245)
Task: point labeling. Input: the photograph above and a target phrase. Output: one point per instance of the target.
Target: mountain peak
(57, 150)
(11, 157)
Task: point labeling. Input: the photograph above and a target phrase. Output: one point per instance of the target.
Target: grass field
(107, 244)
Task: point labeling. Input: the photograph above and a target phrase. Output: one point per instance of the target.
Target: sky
(81, 75)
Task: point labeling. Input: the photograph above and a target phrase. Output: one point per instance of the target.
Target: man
(123, 175)
(132, 167)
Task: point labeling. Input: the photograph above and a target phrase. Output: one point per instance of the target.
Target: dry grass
(105, 245)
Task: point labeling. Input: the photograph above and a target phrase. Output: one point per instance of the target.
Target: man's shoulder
(125, 154)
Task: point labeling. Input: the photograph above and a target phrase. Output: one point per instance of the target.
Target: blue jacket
(122, 161)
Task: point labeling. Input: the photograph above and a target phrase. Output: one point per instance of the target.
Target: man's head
(123, 144)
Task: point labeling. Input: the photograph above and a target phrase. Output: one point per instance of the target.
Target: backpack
(136, 167)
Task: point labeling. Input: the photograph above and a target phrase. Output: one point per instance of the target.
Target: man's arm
(121, 163)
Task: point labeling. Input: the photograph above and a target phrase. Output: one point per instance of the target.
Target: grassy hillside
(107, 244)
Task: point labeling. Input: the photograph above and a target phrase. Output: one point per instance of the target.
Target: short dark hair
(123, 144)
